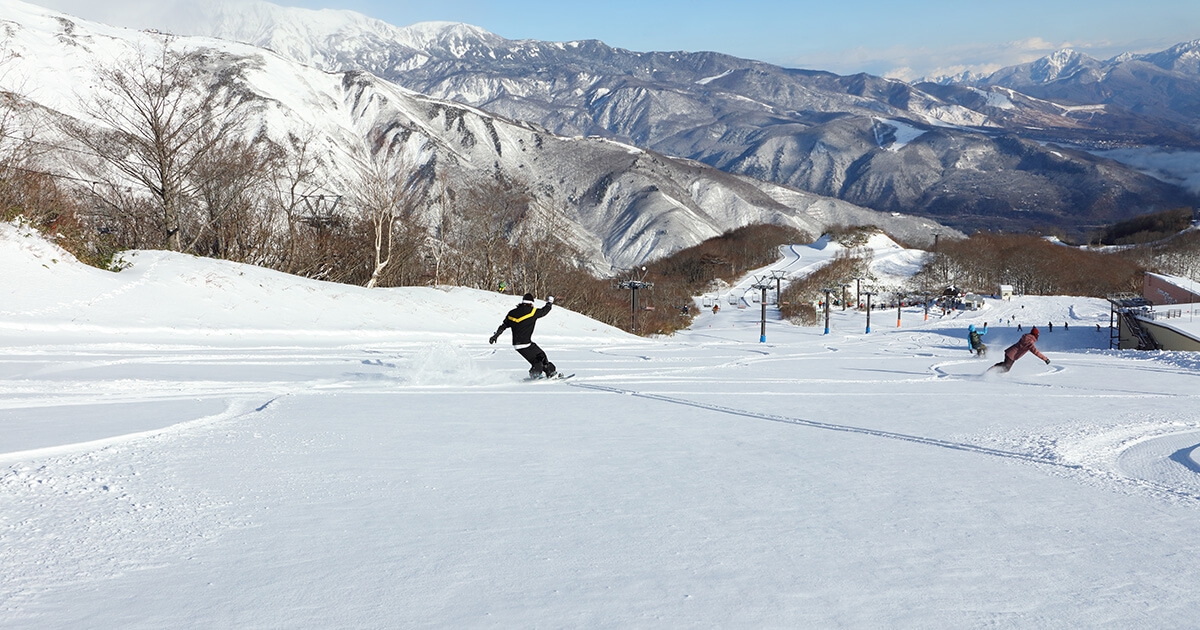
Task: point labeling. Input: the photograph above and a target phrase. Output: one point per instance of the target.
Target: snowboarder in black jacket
(521, 320)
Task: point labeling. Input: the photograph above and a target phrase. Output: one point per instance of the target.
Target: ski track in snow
(107, 494)
(1142, 468)
(1160, 466)
(1155, 462)
(141, 454)
(827, 426)
(443, 366)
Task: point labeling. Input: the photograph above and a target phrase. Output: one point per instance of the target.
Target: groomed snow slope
(196, 444)
(890, 267)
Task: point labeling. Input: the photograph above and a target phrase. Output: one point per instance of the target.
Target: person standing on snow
(975, 340)
(521, 320)
(1018, 350)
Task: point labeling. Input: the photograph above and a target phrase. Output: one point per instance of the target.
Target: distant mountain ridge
(1163, 85)
(978, 155)
(615, 204)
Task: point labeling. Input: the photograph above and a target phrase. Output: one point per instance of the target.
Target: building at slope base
(1163, 317)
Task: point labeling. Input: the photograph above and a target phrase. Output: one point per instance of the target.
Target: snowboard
(559, 376)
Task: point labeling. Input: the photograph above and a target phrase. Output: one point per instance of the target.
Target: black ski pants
(538, 364)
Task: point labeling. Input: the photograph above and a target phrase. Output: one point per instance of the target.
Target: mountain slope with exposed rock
(615, 204)
(984, 160)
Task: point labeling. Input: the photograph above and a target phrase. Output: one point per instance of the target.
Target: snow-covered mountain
(1161, 86)
(1184, 58)
(617, 204)
(1063, 65)
(982, 162)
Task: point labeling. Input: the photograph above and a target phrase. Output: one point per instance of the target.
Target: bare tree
(541, 256)
(27, 188)
(439, 242)
(493, 214)
(232, 189)
(386, 196)
(292, 186)
(18, 149)
(153, 119)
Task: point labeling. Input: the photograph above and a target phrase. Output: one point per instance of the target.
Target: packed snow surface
(191, 443)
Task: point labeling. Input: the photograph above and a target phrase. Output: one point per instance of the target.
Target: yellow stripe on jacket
(517, 320)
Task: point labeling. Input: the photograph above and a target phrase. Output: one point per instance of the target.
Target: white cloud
(1176, 167)
(130, 13)
(116, 13)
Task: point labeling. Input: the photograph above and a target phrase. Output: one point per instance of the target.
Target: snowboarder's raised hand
(550, 299)
(492, 339)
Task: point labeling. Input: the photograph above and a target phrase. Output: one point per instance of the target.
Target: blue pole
(868, 313)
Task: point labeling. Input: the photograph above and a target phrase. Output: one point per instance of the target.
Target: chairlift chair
(649, 304)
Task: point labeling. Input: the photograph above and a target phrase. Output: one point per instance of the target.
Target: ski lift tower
(763, 283)
(634, 280)
(321, 211)
(778, 275)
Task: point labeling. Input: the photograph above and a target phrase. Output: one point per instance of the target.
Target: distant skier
(1018, 350)
(522, 320)
(975, 340)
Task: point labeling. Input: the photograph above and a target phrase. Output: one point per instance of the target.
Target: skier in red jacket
(1018, 350)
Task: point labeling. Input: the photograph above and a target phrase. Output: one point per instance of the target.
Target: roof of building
(1187, 284)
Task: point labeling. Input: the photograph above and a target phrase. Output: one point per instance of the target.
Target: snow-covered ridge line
(468, 145)
(764, 121)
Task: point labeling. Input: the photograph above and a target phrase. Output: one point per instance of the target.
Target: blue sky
(902, 39)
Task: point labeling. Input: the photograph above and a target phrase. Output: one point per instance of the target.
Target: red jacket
(1018, 350)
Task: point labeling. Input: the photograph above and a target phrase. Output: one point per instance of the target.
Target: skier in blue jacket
(975, 340)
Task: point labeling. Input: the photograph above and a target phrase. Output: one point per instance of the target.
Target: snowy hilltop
(192, 443)
(175, 297)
